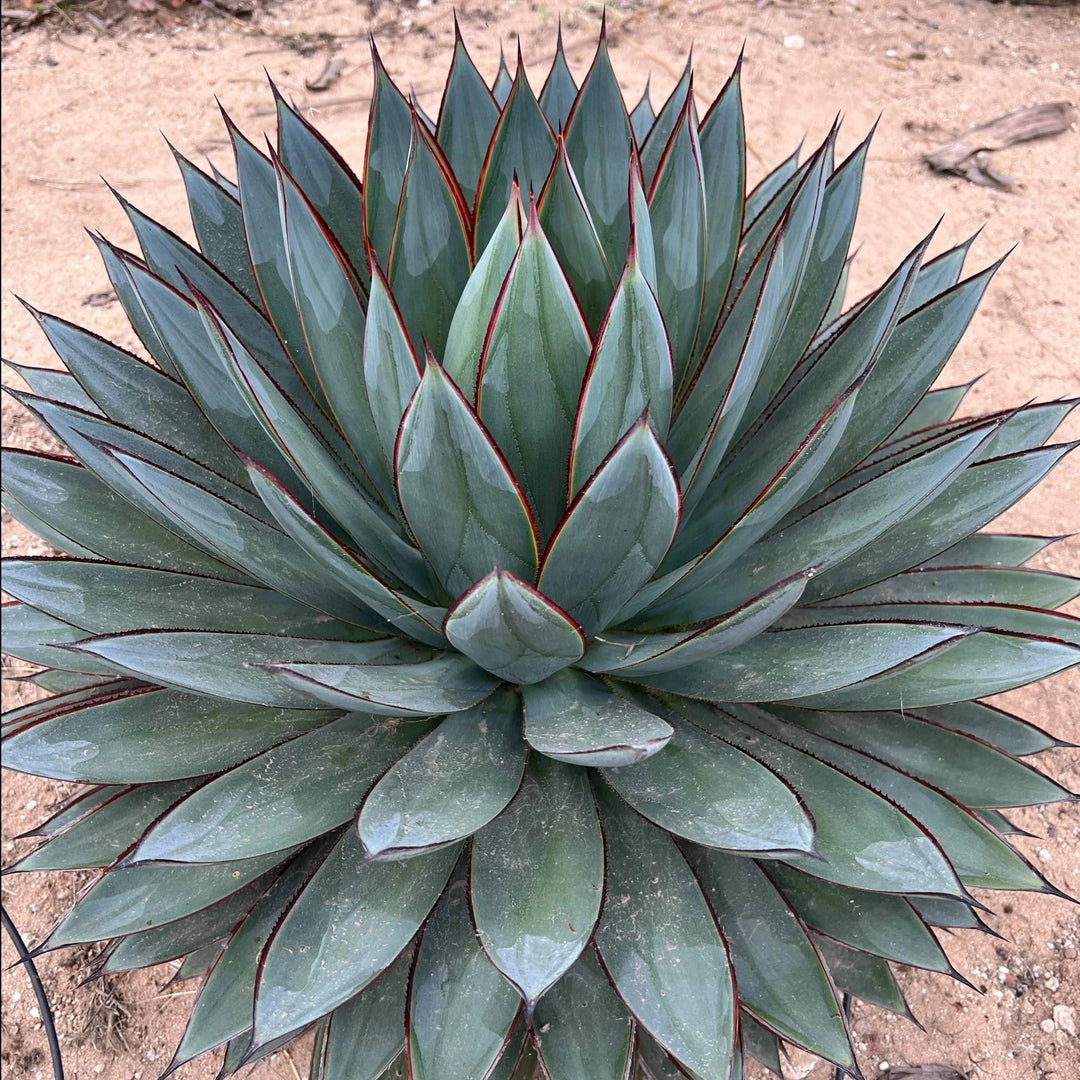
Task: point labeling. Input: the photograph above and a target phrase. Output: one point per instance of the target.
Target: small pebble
(1048, 1026)
(1065, 1019)
(1052, 983)
(884, 1066)
(1044, 855)
(794, 41)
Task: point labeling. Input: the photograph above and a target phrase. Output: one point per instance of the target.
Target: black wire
(39, 992)
(845, 1005)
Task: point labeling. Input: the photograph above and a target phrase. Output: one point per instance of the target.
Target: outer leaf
(58, 385)
(615, 533)
(780, 977)
(411, 616)
(862, 840)
(559, 90)
(354, 917)
(446, 683)
(231, 666)
(776, 665)
(327, 182)
(447, 786)
(292, 793)
(391, 370)
(132, 393)
(599, 142)
(824, 261)
(149, 734)
(653, 146)
(642, 116)
(461, 1010)
(366, 1034)
(105, 833)
(569, 227)
(677, 214)
(137, 898)
(209, 926)
(315, 463)
(385, 160)
(332, 317)
(979, 495)
(930, 753)
(430, 258)
(874, 922)
(826, 535)
(37, 638)
(976, 584)
(523, 146)
(500, 90)
(705, 790)
(467, 118)
(660, 946)
(1005, 731)
(512, 631)
(459, 498)
(584, 1029)
(105, 598)
(980, 857)
(723, 168)
(269, 250)
(248, 540)
(571, 717)
(537, 877)
(225, 1005)
(629, 371)
(912, 358)
(863, 976)
(530, 377)
(219, 225)
(984, 663)
(176, 319)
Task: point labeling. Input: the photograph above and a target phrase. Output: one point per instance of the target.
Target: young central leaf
(512, 631)
(459, 498)
(531, 372)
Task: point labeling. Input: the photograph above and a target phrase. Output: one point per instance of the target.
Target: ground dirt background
(77, 104)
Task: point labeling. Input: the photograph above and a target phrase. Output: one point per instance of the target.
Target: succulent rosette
(522, 617)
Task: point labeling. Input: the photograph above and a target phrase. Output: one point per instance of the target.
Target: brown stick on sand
(969, 156)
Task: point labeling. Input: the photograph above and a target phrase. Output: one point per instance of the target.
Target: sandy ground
(77, 105)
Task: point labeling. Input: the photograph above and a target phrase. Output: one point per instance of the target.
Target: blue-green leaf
(294, 792)
(511, 630)
(599, 142)
(615, 533)
(467, 118)
(389, 137)
(537, 877)
(450, 784)
(660, 946)
(705, 790)
(430, 257)
(573, 718)
(460, 500)
(629, 371)
(534, 360)
(345, 928)
(523, 146)
(461, 1010)
(446, 683)
(677, 215)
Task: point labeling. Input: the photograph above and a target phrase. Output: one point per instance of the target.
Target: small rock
(1048, 1026)
(794, 41)
(1052, 983)
(1065, 1019)
(1044, 855)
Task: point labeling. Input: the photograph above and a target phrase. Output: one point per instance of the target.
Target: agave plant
(520, 602)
